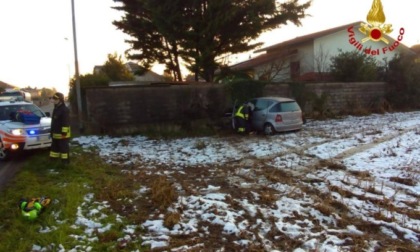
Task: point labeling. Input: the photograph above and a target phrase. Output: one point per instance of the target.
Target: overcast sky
(36, 46)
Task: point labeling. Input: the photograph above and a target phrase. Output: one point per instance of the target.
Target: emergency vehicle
(17, 132)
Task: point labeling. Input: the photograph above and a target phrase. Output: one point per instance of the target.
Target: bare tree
(279, 66)
(322, 62)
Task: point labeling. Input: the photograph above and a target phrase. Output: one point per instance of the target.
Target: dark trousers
(60, 148)
(241, 125)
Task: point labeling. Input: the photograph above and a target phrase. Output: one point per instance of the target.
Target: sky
(37, 48)
(223, 183)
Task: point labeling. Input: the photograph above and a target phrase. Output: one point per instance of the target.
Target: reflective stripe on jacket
(241, 112)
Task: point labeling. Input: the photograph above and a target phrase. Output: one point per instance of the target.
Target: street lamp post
(76, 65)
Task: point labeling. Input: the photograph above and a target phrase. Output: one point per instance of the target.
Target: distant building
(308, 57)
(140, 74)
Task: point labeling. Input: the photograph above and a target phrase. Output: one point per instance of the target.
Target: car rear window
(285, 107)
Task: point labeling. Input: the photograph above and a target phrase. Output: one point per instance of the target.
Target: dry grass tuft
(339, 206)
(324, 208)
(332, 165)
(404, 181)
(162, 192)
(108, 236)
(268, 196)
(344, 193)
(329, 205)
(414, 214)
(277, 176)
(171, 219)
(380, 215)
(360, 174)
(200, 145)
(371, 188)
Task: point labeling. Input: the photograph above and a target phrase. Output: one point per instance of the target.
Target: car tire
(269, 129)
(4, 154)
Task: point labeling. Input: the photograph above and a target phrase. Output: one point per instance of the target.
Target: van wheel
(269, 129)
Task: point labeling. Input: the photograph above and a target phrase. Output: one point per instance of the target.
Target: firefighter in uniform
(242, 118)
(60, 129)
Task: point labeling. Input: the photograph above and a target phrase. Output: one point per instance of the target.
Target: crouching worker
(31, 209)
(243, 118)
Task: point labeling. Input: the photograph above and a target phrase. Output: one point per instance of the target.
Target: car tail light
(279, 119)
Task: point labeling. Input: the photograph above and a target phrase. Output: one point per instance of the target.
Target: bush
(403, 76)
(243, 90)
(354, 66)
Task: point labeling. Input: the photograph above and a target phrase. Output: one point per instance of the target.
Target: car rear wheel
(269, 129)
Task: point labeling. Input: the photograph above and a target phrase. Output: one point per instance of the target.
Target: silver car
(276, 114)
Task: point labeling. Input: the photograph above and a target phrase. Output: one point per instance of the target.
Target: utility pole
(76, 65)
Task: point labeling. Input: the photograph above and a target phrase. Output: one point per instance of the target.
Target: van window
(15, 93)
(285, 107)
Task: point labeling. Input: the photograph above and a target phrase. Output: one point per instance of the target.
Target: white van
(14, 94)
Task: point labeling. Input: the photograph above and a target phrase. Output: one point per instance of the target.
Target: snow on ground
(280, 189)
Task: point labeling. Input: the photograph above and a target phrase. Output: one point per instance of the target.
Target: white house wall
(346, 41)
(304, 53)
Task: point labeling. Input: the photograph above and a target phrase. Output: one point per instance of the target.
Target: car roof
(276, 98)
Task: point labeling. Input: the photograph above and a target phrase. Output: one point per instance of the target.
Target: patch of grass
(404, 181)
(163, 194)
(344, 193)
(332, 165)
(67, 186)
(380, 215)
(171, 219)
(277, 176)
(360, 174)
(268, 196)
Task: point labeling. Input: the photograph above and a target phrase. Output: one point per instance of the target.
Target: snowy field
(348, 184)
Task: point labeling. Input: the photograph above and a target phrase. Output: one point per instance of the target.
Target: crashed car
(23, 126)
(271, 115)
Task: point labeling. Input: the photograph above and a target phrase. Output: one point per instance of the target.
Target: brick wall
(127, 106)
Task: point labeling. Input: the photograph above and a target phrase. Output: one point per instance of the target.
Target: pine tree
(199, 32)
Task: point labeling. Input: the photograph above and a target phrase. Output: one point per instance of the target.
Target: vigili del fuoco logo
(375, 29)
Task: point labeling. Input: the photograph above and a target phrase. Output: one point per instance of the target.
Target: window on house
(294, 69)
